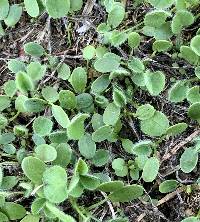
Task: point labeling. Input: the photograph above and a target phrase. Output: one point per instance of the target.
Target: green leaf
(97, 121)
(14, 15)
(195, 44)
(194, 111)
(64, 155)
(191, 219)
(111, 114)
(178, 92)
(23, 82)
(156, 125)
(161, 4)
(142, 148)
(116, 15)
(134, 40)
(89, 182)
(1, 175)
(59, 136)
(193, 94)
(45, 153)
(156, 18)
(30, 218)
(100, 158)
(15, 65)
(4, 9)
(117, 38)
(100, 84)
(3, 121)
(14, 211)
(89, 52)
(37, 205)
(6, 138)
(3, 217)
(111, 186)
(182, 18)
(4, 102)
(102, 133)
(87, 146)
(197, 71)
(55, 192)
(35, 105)
(106, 64)
(78, 79)
(150, 170)
(126, 193)
(36, 71)
(32, 7)
(76, 5)
(20, 103)
(168, 186)
(33, 168)
(42, 126)
(58, 8)
(50, 94)
(120, 167)
(34, 49)
(145, 112)
(64, 72)
(176, 129)
(155, 82)
(9, 182)
(60, 116)
(189, 55)
(162, 45)
(188, 160)
(10, 88)
(136, 65)
(9, 149)
(76, 130)
(127, 145)
(67, 99)
(84, 102)
(81, 167)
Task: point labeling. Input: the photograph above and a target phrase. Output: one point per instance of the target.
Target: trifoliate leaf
(32, 7)
(145, 112)
(100, 158)
(14, 15)
(87, 146)
(4, 9)
(14, 211)
(34, 105)
(176, 129)
(126, 193)
(78, 79)
(188, 54)
(61, 116)
(136, 65)
(156, 125)
(55, 192)
(42, 126)
(67, 99)
(155, 82)
(10, 88)
(33, 168)
(134, 40)
(111, 186)
(116, 15)
(89, 52)
(36, 71)
(111, 114)
(50, 94)
(45, 153)
(194, 111)
(168, 186)
(102, 133)
(76, 130)
(150, 170)
(162, 45)
(15, 65)
(23, 82)
(34, 49)
(64, 72)
(4, 102)
(193, 94)
(58, 8)
(188, 160)
(194, 44)
(100, 84)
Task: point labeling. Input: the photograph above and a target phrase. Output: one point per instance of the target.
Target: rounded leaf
(78, 79)
(195, 44)
(176, 129)
(32, 7)
(45, 152)
(4, 9)
(34, 49)
(168, 186)
(178, 92)
(60, 115)
(87, 146)
(111, 114)
(42, 126)
(111, 186)
(50, 94)
(194, 111)
(58, 8)
(23, 82)
(150, 170)
(14, 15)
(14, 211)
(100, 158)
(102, 133)
(145, 112)
(67, 99)
(89, 52)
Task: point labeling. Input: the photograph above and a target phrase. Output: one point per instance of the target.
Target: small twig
(131, 124)
(181, 145)
(110, 206)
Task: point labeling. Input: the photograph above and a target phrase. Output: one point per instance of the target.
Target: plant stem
(10, 194)
(78, 210)
(14, 117)
(97, 204)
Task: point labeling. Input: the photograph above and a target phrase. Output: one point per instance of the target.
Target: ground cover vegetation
(103, 123)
